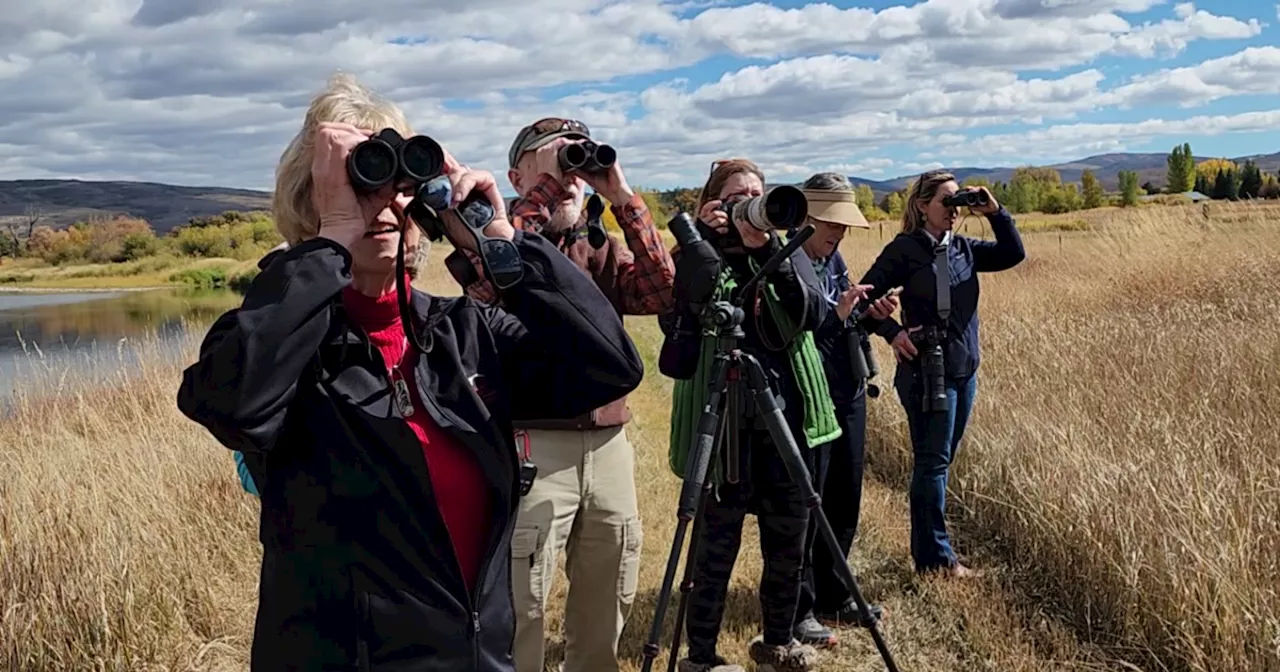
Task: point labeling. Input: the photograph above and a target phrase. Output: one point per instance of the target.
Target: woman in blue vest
(938, 410)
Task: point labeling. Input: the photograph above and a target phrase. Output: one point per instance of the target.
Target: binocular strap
(942, 275)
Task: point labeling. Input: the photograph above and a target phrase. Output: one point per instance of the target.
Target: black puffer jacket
(358, 572)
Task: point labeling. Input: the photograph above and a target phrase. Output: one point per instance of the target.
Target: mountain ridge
(59, 202)
(1150, 166)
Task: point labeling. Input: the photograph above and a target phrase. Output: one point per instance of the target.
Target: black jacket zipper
(470, 601)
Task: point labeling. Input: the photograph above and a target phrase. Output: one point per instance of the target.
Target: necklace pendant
(404, 402)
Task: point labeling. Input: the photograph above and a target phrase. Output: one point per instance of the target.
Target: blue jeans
(934, 439)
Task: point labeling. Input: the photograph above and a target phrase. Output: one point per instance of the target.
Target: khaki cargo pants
(583, 503)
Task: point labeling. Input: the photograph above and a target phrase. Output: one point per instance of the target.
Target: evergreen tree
(1092, 188)
(1202, 184)
(1250, 180)
(1226, 186)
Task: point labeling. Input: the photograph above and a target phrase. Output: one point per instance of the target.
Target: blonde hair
(922, 191)
(344, 100)
(723, 171)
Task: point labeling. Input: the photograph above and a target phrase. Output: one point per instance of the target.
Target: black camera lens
(786, 207)
(371, 164)
(421, 158)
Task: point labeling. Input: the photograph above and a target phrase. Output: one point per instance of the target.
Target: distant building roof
(1195, 196)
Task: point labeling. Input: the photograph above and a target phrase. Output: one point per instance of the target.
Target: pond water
(62, 335)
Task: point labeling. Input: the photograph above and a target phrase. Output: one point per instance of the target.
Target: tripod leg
(690, 498)
(785, 443)
(686, 585)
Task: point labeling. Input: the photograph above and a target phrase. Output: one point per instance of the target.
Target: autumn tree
(1092, 188)
(866, 197)
(893, 204)
(1270, 186)
(1210, 168)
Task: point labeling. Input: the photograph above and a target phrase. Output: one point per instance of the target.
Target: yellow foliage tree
(1208, 169)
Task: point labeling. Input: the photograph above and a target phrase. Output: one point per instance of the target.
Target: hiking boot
(719, 665)
(810, 631)
(794, 657)
(849, 615)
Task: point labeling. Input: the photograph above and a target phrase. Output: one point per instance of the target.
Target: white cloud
(1255, 70)
(210, 91)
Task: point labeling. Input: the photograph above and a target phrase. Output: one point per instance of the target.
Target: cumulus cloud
(1255, 70)
(210, 91)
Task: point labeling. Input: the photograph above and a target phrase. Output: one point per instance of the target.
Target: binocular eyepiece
(587, 156)
(966, 198)
(782, 207)
(388, 158)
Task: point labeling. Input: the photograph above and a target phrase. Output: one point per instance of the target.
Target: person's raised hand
(884, 307)
(752, 238)
(992, 206)
(610, 183)
(344, 214)
(711, 215)
(465, 181)
(849, 298)
(546, 159)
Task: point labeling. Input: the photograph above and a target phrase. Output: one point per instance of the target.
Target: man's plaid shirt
(645, 269)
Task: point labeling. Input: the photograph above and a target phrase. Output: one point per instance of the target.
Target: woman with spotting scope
(938, 405)
(790, 304)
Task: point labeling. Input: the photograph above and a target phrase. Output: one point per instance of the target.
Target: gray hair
(828, 182)
(343, 100)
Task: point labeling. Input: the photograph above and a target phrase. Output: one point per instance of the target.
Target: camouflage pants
(766, 491)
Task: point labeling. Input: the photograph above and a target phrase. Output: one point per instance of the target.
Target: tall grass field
(1119, 485)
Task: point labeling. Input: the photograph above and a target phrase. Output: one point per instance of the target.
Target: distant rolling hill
(1107, 167)
(62, 202)
(58, 203)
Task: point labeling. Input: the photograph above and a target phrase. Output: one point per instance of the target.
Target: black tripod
(725, 320)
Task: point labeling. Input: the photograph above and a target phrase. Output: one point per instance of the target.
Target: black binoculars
(967, 198)
(586, 156)
(386, 158)
(863, 357)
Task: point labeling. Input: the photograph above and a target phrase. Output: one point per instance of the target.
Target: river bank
(81, 290)
(149, 273)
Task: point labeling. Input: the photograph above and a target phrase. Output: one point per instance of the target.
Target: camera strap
(942, 276)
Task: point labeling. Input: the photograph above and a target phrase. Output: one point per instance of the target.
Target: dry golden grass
(1121, 481)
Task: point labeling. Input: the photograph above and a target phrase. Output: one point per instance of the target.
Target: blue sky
(211, 93)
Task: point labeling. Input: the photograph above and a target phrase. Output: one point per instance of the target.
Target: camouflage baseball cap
(543, 131)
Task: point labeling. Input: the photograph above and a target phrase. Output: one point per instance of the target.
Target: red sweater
(461, 490)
